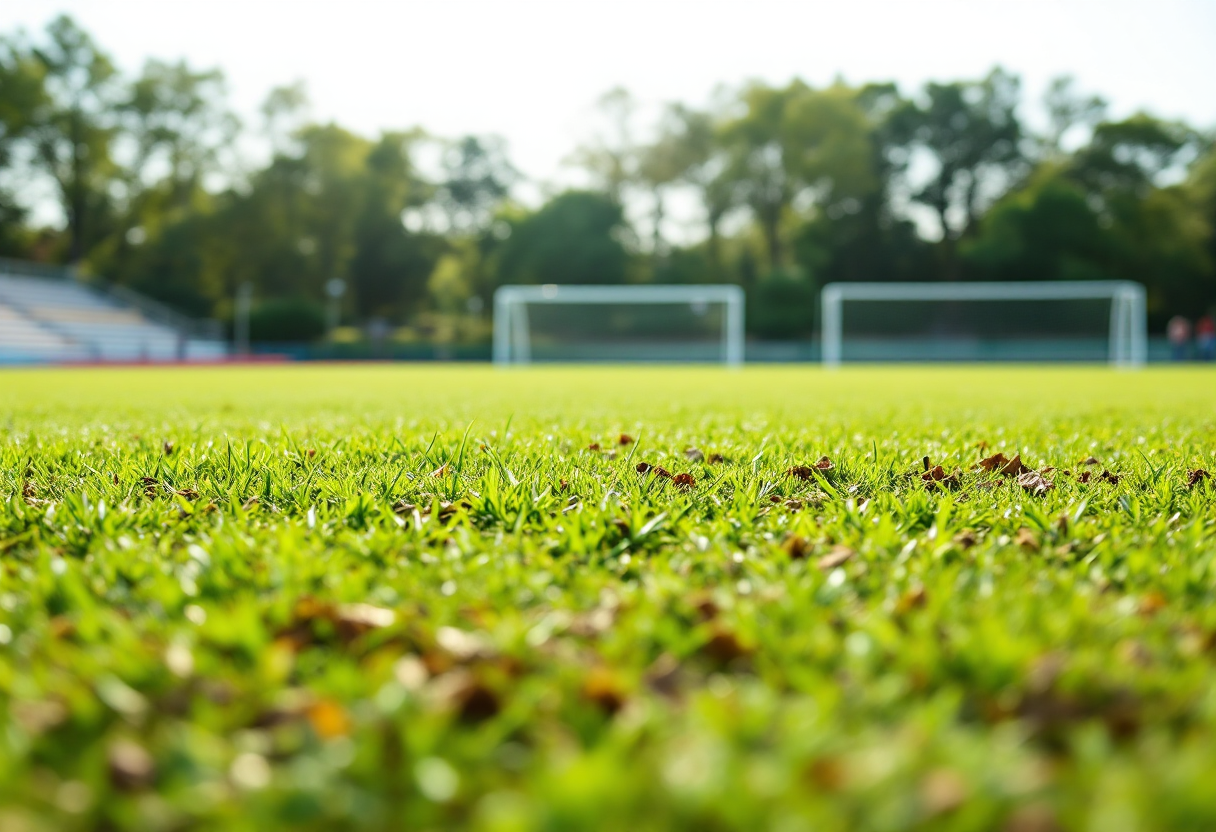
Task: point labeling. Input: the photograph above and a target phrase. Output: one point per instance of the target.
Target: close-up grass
(387, 597)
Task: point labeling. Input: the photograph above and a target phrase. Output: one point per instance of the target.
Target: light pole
(244, 300)
(335, 287)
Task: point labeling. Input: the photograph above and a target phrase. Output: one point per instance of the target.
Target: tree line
(795, 186)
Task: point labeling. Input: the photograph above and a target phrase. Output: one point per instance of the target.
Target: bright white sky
(531, 70)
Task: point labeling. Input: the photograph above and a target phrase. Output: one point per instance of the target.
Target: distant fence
(860, 351)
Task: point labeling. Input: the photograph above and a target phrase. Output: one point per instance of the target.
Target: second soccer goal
(1078, 320)
(615, 324)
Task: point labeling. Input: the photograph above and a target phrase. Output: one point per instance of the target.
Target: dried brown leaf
(1027, 539)
(1089, 461)
(838, 556)
(796, 546)
(664, 676)
(602, 689)
(966, 539)
(130, 766)
(1035, 483)
(715, 459)
(685, 482)
(329, 719)
(724, 647)
(625, 439)
(694, 455)
(1195, 476)
(823, 464)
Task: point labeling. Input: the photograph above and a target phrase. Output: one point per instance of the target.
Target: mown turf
(412, 598)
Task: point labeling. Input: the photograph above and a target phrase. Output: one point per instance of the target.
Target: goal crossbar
(511, 330)
(1128, 327)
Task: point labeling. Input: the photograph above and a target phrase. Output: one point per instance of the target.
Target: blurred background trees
(779, 189)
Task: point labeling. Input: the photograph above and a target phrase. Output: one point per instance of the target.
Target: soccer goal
(618, 324)
(1019, 321)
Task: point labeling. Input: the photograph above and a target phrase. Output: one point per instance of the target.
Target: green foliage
(386, 597)
(575, 238)
(786, 177)
(288, 320)
(1047, 231)
(782, 305)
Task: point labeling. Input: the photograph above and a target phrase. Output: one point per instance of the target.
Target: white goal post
(1128, 327)
(512, 336)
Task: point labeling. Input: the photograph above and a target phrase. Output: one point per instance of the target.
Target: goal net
(618, 324)
(1027, 321)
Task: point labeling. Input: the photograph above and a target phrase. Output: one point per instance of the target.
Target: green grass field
(377, 597)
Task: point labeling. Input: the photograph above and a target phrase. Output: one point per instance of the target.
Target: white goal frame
(1128, 322)
(512, 343)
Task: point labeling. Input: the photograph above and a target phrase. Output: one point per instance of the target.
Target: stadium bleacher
(46, 318)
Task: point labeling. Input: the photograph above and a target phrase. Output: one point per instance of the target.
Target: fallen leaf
(913, 599)
(802, 472)
(462, 645)
(1033, 817)
(1089, 461)
(716, 459)
(1196, 476)
(168, 448)
(937, 475)
(328, 719)
(473, 700)
(664, 676)
(594, 446)
(966, 539)
(724, 647)
(795, 546)
(694, 455)
(130, 766)
(839, 555)
(660, 471)
(1035, 483)
(823, 464)
(1027, 539)
(643, 467)
(625, 439)
(602, 689)
(1152, 603)
(1107, 476)
(684, 481)
(827, 774)
(1002, 465)
(1084, 477)
(793, 504)
(943, 790)
(312, 452)
(314, 621)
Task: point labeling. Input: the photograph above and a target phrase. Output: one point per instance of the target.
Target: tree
(681, 152)
(574, 238)
(611, 158)
(390, 265)
(22, 94)
(477, 178)
(796, 145)
(971, 132)
(1067, 110)
(73, 133)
